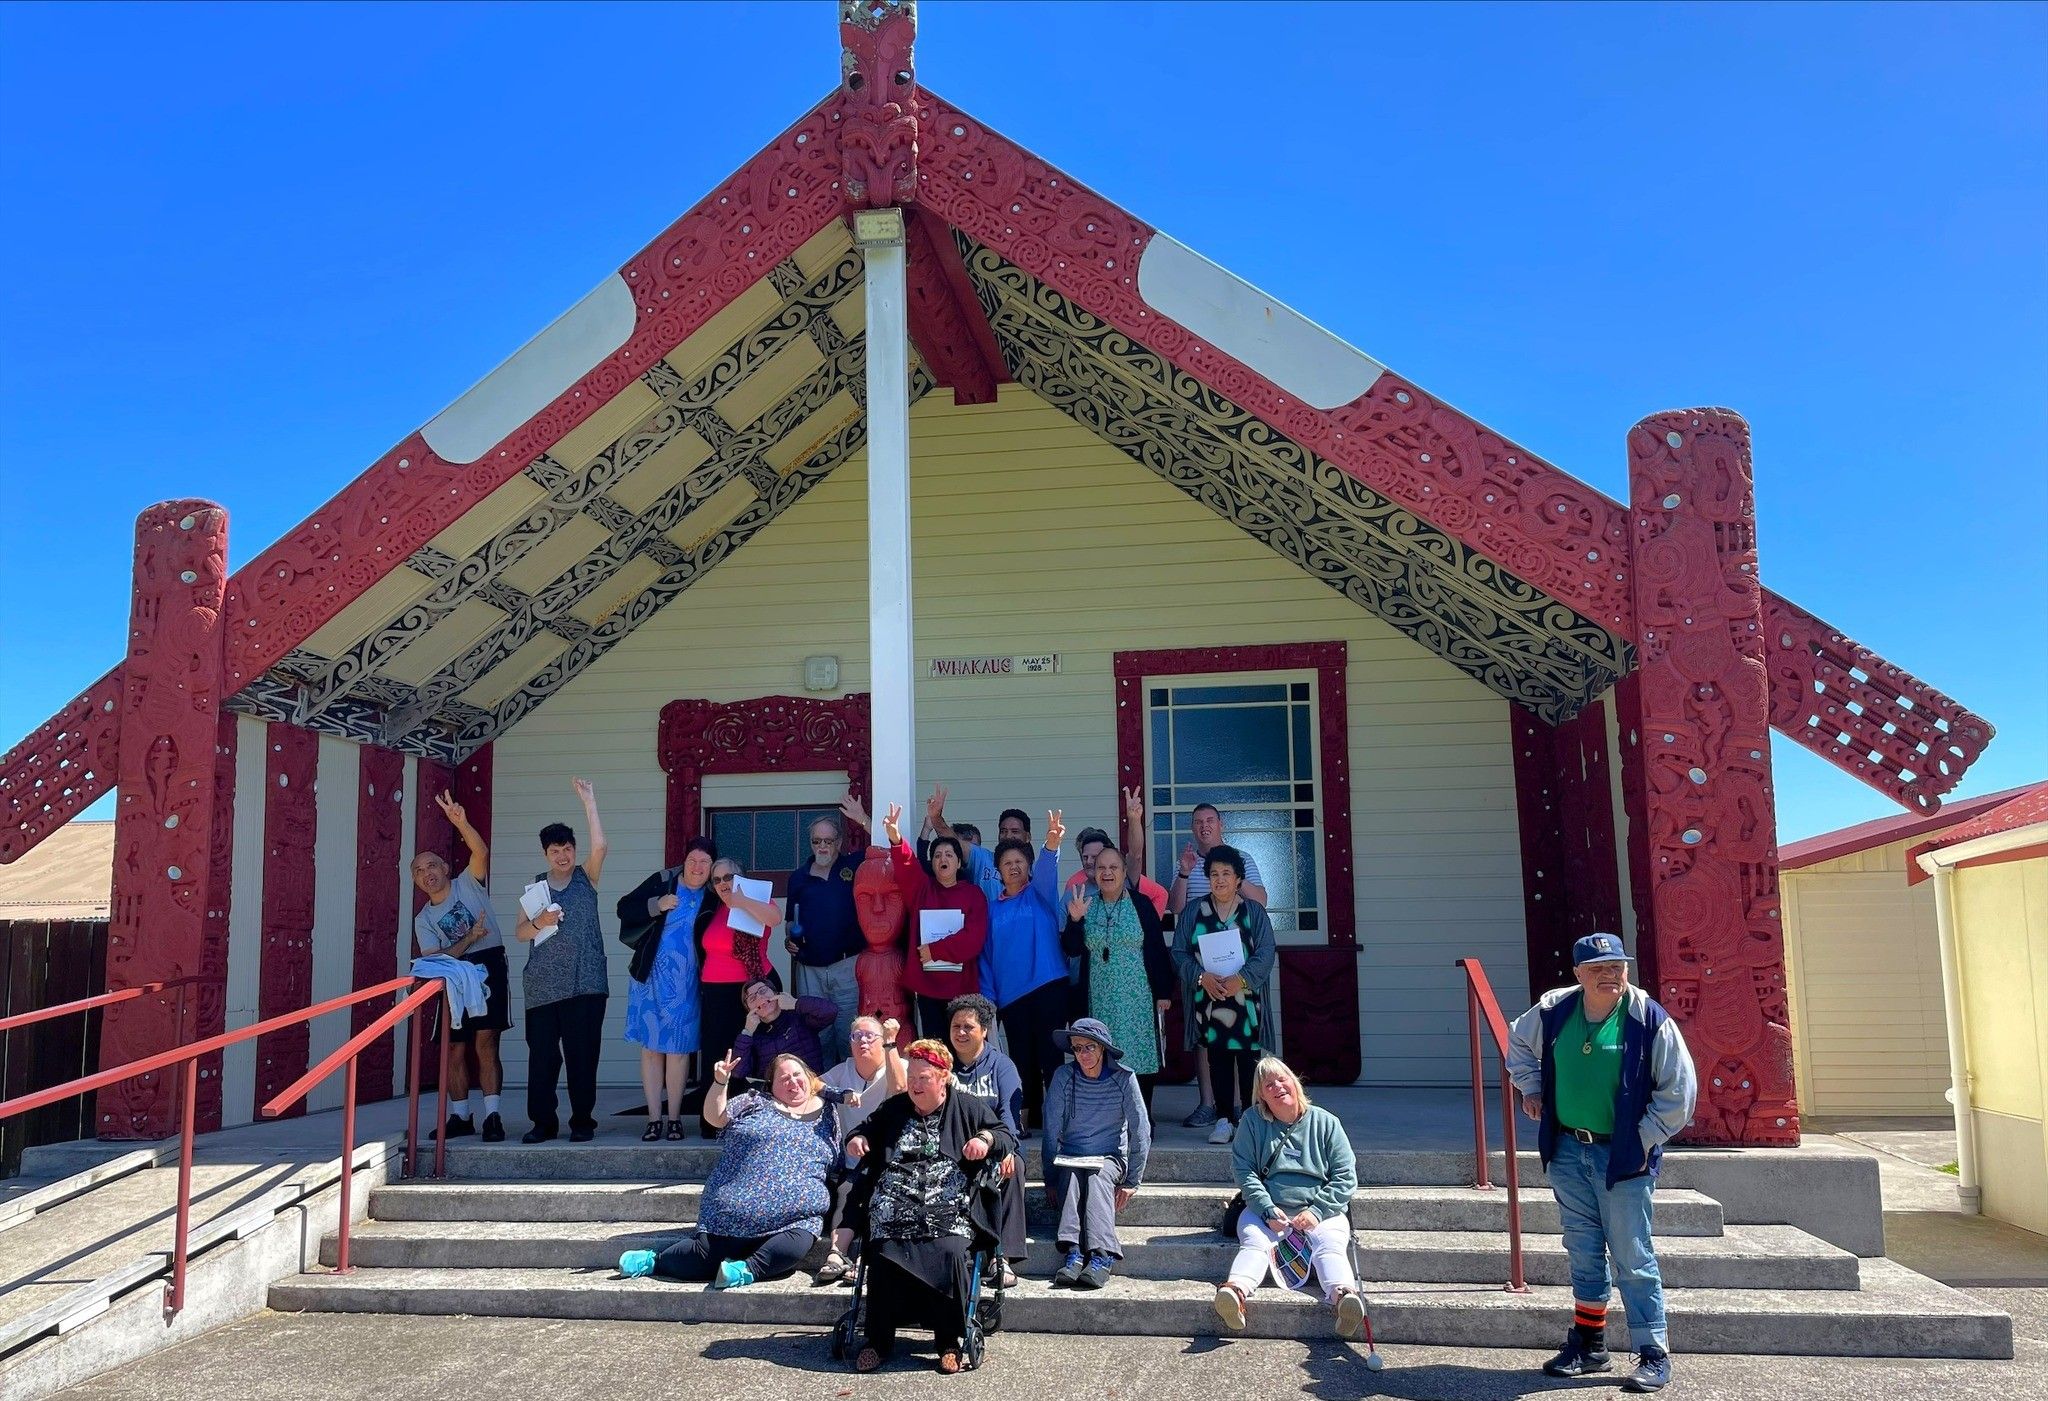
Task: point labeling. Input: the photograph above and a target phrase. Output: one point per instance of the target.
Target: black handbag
(1233, 1208)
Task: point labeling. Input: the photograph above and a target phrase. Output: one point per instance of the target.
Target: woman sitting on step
(1296, 1171)
(765, 1204)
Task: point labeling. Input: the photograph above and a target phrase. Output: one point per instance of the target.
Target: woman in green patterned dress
(1231, 1016)
(1126, 968)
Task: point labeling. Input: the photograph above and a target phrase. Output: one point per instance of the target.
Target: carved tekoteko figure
(878, 82)
(880, 970)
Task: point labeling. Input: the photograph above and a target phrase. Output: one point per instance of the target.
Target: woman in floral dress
(1126, 969)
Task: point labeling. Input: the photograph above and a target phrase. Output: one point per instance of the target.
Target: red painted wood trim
(1545, 899)
(1706, 771)
(1327, 660)
(291, 766)
(380, 866)
(163, 823)
(473, 791)
(60, 768)
(213, 954)
(768, 734)
(1319, 990)
(948, 328)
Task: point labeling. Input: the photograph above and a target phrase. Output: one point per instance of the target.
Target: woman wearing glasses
(730, 961)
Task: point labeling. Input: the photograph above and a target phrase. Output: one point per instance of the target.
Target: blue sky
(251, 247)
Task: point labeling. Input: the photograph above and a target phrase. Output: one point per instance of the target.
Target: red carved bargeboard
(769, 734)
(163, 824)
(61, 768)
(1717, 952)
(380, 835)
(284, 979)
(1571, 882)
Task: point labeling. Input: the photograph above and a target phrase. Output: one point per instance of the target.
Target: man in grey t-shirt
(457, 920)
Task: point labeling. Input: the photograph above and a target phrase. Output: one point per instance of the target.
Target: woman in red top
(942, 890)
(730, 961)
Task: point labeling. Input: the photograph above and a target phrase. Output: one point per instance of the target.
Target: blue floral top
(771, 1170)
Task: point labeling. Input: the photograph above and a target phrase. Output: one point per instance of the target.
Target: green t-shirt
(1588, 1069)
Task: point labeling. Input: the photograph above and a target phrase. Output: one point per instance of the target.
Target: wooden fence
(44, 962)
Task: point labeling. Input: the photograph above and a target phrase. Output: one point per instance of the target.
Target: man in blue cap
(1605, 1070)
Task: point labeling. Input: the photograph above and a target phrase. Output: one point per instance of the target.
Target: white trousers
(1328, 1247)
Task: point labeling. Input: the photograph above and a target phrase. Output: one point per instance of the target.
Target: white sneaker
(1223, 1132)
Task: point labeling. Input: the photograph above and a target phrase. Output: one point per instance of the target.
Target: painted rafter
(946, 322)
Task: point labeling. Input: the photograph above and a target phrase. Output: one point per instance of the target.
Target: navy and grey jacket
(1654, 1099)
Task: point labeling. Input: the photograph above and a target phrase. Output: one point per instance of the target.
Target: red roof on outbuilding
(1882, 831)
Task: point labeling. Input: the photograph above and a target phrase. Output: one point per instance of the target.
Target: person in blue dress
(667, 911)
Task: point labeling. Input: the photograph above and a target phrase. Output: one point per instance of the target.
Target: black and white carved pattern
(701, 558)
(1478, 616)
(271, 697)
(687, 404)
(662, 550)
(738, 450)
(608, 513)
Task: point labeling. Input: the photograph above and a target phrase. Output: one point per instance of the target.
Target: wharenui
(899, 390)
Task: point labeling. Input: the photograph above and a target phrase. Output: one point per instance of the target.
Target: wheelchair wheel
(973, 1346)
(988, 1314)
(843, 1335)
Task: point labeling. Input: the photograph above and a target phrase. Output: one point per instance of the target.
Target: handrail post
(1478, 1089)
(174, 1297)
(348, 1162)
(1516, 1284)
(441, 1132)
(412, 1094)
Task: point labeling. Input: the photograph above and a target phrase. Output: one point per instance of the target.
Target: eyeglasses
(867, 1036)
(721, 880)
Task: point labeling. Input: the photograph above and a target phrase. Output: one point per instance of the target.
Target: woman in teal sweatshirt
(1295, 1167)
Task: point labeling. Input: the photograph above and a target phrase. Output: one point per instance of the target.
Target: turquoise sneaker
(733, 1274)
(636, 1264)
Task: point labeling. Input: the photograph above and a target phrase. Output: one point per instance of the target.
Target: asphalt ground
(327, 1357)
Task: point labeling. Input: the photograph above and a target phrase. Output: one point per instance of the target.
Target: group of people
(904, 1148)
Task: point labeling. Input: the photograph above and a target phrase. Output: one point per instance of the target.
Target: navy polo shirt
(821, 907)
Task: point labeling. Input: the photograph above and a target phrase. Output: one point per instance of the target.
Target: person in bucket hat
(1602, 1066)
(1097, 1137)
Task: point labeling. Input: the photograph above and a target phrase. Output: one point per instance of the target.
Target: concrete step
(610, 1159)
(1747, 1257)
(1678, 1213)
(1896, 1313)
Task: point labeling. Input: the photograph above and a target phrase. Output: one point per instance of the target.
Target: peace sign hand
(892, 821)
(1055, 829)
(935, 806)
(722, 1072)
(451, 809)
(1077, 904)
(1134, 804)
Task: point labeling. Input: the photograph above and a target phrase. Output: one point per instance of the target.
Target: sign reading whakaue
(1043, 664)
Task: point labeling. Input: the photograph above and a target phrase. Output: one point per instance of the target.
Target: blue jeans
(1603, 1223)
(836, 983)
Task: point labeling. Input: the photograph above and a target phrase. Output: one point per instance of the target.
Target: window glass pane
(1306, 892)
(733, 832)
(1274, 853)
(1304, 756)
(1227, 695)
(1299, 690)
(1219, 746)
(774, 842)
(1304, 792)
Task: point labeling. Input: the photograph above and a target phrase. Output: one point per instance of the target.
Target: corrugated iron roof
(69, 876)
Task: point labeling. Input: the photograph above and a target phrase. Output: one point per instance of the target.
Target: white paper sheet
(741, 921)
(934, 925)
(1222, 952)
(534, 901)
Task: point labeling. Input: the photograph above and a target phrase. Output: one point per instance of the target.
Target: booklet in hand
(934, 925)
(534, 901)
(1222, 952)
(741, 921)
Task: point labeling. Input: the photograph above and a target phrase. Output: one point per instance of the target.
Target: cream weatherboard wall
(1865, 974)
(2001, 914)
(1033, 536)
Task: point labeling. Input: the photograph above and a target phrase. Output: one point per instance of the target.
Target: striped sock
(1591, 1321)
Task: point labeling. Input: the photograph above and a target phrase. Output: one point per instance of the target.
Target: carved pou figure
(878, 904)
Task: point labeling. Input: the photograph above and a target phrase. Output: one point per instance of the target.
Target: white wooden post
(890, 654)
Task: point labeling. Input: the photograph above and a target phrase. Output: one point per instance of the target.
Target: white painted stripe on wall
(401, 956)
(245, 921)
(337, 789)
(535, 376)
(1266, 334)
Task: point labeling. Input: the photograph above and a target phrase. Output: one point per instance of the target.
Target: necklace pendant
(1585, 1048)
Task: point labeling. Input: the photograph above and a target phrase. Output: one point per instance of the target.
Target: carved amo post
(172, 688)
(1716, 957)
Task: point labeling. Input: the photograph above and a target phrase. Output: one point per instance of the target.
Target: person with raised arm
(1023, 966)
(870, 1075)
(458, 921)
(567, 979)
(1190, 883)
(949, 966)
(1126, 965)
(822, 931)
(661, 920)
(731, 959)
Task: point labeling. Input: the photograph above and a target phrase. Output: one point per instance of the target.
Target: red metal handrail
(87, 1004)
(187, 1057)
(1482, 1006)
(346, 1055)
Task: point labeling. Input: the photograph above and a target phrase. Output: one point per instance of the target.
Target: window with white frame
(1248, 743)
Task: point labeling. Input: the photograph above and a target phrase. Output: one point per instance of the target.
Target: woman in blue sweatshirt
(1023, 968)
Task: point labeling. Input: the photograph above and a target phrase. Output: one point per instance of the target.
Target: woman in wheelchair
(1295, 1169)
(925, 1201)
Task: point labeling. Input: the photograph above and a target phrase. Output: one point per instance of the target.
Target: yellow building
(1991, 901)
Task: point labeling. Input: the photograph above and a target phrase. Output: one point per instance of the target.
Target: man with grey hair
(824, 937)
(1602, 1066)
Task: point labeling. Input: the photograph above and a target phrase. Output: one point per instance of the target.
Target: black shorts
(498, 1009)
